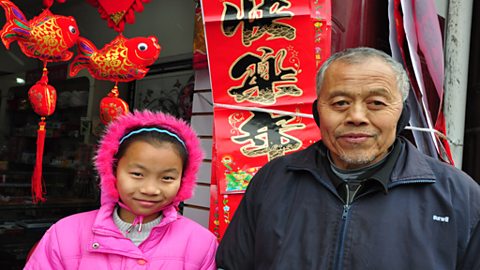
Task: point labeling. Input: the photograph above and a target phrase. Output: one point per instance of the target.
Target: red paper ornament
(112, 106)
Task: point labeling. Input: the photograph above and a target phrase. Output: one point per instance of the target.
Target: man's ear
(315, 112)
(404, 118)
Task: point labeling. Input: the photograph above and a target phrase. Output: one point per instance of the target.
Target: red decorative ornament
(43, 99)
(111, 106)
(46, 37)
(121, 60)
(117, 13)
(49, 3)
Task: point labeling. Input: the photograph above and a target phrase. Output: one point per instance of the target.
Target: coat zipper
(338, 264)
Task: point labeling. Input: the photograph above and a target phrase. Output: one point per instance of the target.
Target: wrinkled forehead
(360, 78)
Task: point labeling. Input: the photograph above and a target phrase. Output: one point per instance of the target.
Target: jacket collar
(411, 165)
(107, 238)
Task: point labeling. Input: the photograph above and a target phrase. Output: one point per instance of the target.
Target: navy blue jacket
(292, 217)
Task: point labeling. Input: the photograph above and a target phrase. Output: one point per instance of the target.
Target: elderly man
(362, 197)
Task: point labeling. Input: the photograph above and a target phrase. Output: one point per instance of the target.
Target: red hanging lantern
(47, 37)
(43, 99)
(111, 106)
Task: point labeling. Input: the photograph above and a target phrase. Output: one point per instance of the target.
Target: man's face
(359, 106)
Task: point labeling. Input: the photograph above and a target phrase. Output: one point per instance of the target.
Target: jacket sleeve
(237, 247)
(471, 260)
(209, 262)
(46, 254)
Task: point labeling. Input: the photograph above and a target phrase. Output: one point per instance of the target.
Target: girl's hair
(137, 125)
(154, 138)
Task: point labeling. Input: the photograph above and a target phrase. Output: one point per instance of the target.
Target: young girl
(147, 164)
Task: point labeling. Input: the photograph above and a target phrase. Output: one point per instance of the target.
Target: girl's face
(148, 178)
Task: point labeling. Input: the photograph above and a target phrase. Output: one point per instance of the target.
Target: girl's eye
(168, 178)
(136, 174)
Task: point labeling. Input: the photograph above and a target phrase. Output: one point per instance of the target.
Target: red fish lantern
(47, 37)
(121, 60)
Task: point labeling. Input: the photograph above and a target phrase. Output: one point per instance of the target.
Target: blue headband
(152, 129)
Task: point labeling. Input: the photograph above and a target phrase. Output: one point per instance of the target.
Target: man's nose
(357, 114)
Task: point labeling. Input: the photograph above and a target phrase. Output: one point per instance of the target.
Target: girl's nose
(150, 187)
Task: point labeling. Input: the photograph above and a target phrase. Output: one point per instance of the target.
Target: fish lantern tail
(37, 181)
(16, 26)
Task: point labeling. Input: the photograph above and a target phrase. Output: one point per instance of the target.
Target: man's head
(360, 98)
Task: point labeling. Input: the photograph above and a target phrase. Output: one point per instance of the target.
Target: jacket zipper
(338, 264)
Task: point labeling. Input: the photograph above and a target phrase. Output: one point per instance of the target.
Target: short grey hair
(357, 55)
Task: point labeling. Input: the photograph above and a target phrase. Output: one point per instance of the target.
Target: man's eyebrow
(339, 92)
(379, 91)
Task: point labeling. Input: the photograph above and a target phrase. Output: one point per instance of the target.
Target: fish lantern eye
(142, 47)
(72, 29)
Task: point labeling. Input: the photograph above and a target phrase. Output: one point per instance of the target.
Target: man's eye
(340, 103)
(377, 103)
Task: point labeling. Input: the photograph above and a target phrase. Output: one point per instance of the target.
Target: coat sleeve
(237, 247)
(471, 260)
(46, 254)
(209, 262)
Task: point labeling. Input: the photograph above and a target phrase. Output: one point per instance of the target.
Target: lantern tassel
(37, 183)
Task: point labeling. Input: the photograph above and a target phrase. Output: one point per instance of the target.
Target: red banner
(263, 56)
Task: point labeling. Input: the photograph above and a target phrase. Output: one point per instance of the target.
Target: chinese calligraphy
(264, 77)
(266, 134)
(258, 20)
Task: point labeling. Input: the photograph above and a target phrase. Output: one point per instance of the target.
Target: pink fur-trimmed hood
(104, 160)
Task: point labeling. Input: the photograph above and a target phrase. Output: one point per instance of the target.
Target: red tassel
(37, 183)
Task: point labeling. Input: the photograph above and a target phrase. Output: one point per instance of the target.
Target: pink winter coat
(91, 241)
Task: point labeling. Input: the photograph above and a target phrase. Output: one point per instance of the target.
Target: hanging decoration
(117, 13)
(262, 89)
(47, 37)
(121, 60)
